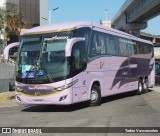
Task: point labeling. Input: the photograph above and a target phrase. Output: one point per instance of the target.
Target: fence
(7, 77)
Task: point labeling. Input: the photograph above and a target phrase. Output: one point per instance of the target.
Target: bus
(67, 63)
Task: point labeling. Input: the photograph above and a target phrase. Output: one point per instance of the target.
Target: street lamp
(50, 14)
(106, 13)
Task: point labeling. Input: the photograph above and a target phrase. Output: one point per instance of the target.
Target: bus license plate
(38, 101)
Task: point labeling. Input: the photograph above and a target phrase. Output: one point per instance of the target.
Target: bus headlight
(61, 88)
(18, 89)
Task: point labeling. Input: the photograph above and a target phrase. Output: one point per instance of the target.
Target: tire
(145, 86)
(95, 96)
(140, 87)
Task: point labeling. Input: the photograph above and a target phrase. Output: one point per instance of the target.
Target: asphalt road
(124, 110)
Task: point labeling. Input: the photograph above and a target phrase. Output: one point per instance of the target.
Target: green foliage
(10, 20)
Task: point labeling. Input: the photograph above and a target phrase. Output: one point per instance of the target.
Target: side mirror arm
(69, 45)
(7, 48)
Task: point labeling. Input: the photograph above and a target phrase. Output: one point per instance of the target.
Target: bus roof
(74, 25)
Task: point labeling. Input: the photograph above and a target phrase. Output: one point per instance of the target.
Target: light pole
(50, 14)
(106, 13)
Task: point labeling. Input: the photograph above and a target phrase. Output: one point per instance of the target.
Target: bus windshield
(42, 58)
(53, 61)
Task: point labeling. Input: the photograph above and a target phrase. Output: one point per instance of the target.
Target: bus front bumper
(59, 98)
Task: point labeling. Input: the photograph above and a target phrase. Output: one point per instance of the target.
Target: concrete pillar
(154, 40)
(135, 32)
(134, 28)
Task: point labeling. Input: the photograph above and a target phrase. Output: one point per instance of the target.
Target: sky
(92, 10)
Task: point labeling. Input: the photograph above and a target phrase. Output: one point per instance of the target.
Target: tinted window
(123, 47)
(112, 45)
(79, 56)
(131, 48)
(83, 32)
(142, 48)
(136, 49)
(98, 44)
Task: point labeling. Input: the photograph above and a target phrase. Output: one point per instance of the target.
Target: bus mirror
(70, 44)
(45, 46)
(6, 50)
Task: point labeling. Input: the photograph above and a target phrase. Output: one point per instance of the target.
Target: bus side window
(92, 50)
(98, 45)
(131, 50)
(147, 48)
(107, 43)
(136, 49)
(141, 49)
(112, 48)
(83, 32)
(101, 48)
(79, 57)
(124, 48)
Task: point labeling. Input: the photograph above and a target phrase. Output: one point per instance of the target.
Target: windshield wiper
(47, 75)
(40, 61)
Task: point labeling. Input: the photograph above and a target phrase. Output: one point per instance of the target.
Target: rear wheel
(140, 87)
(95, 95)
(145, 86)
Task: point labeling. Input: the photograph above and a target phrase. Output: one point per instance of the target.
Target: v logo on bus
(101, 64)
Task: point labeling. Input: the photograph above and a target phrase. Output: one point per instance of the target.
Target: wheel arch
(97, 82)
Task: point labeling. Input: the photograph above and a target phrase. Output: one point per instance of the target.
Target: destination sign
(57, 38)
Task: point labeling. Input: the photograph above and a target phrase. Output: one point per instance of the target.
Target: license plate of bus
(38, 101)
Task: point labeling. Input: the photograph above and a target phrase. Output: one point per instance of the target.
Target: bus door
(78, 66)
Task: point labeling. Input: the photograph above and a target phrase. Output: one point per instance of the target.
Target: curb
(7, 98)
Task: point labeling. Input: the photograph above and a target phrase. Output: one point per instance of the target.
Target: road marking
(7, 98)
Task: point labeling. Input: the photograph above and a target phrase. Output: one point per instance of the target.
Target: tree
(10, 21)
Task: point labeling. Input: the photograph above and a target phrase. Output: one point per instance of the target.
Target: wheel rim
(145, 86)
(140, 87)
(94, 96)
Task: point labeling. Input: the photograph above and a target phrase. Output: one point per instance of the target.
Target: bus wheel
(95, 96)
(145, 86)
(140, 87)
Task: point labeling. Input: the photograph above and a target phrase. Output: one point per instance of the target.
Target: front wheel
(95, 96)
(140, 87)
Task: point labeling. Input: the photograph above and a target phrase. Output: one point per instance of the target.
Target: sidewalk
(5, 96)
(156, 88)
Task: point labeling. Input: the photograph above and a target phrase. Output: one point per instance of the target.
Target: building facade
(106, 23)
(32, 10)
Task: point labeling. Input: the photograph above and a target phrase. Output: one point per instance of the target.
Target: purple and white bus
(67, 63)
